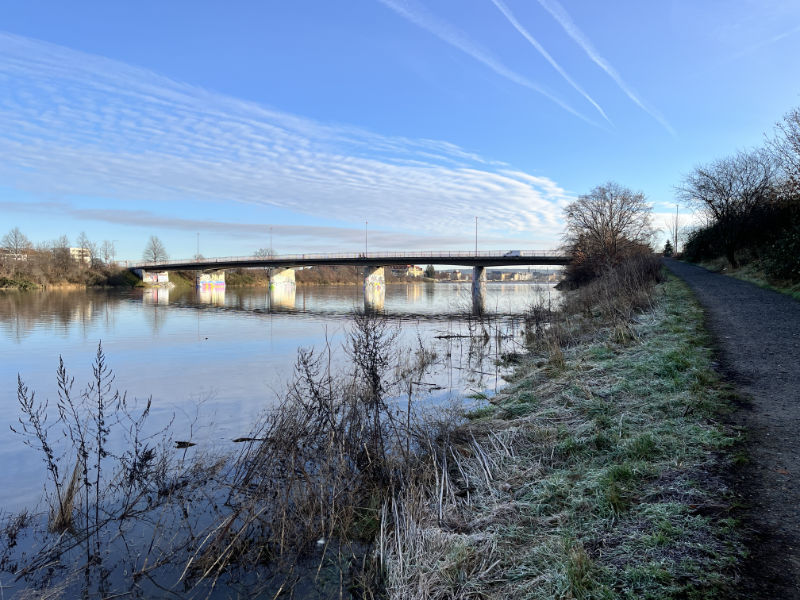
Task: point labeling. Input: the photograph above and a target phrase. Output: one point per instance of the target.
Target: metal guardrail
(371, 256)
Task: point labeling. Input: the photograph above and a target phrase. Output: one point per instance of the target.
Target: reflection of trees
(430, 290)
(22, 313)
(155, 316)
(154, 307)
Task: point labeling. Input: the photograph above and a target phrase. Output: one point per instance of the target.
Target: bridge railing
(427, 254)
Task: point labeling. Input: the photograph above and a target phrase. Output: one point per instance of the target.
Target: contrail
(768, 42)
(512, 19)
(456, 39)
(559, 14)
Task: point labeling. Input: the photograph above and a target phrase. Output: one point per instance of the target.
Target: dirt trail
(757, 332)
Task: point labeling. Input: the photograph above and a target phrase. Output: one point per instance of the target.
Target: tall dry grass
(450, 532)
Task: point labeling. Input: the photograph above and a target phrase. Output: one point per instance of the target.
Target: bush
(770, 235)
(782, 257)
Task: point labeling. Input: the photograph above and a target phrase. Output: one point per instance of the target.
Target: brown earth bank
(757, 335)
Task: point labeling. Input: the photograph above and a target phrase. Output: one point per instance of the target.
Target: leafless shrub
(309, 484)
(105, 480)
(321, 465)
(620, 292)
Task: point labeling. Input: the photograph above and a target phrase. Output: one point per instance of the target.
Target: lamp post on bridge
(476, 236)
(366, 239)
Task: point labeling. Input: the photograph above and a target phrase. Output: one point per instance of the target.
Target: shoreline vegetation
(599, 472)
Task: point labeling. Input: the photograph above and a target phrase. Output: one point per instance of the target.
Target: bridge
(211, 271)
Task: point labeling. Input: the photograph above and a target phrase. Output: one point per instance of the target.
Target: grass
(17, 284)
(599, 477)
(753, 273)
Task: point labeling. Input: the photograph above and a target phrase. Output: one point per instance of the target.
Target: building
(80, 255)
(407, 271)
(451, 275)
(13, 256)
(505, 276)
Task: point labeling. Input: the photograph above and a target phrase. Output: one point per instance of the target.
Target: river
(212, 362)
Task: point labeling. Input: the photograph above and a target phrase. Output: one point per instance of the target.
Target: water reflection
(23, 313)
(155, 296)
(214, 296)
(234, 350)
(282, 297)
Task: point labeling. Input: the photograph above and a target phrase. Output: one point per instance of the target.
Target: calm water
(213, 362)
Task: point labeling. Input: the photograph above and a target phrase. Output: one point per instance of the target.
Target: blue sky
(126, 120)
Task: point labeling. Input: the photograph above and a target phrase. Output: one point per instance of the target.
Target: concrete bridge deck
(483, 258)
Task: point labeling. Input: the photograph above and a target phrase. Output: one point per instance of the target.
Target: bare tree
(728, 190)
(154, 251)
(15, 242)
(785, 148)
(609, 221)
(264, 253)
(673, 226)
(88, 247)
(107, 251)
(62, 261)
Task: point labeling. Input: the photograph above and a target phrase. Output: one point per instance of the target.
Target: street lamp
(366, 246)
(476, 236)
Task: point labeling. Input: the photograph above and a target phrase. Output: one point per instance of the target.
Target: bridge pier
(207, 280)
(478, 289)
(374, 288)
(152, 277)
(282, 288)
(210, 286)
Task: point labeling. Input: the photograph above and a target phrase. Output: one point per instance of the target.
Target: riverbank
(752, 272)
(597, 472)
(100, 279)
(601, 472)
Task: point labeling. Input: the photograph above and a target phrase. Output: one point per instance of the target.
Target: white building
(80, 255)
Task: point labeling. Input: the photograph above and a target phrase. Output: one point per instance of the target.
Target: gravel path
(757, 333)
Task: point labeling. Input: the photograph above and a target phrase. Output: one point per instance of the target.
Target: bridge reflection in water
(282, 297)
(281, 269)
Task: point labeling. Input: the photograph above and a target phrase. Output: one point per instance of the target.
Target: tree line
(750, 203)
(25, 264)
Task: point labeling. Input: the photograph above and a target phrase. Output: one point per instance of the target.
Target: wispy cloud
(74, 124)
(308, 237)
(421, 17)
(560, 14)
(503, 8)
